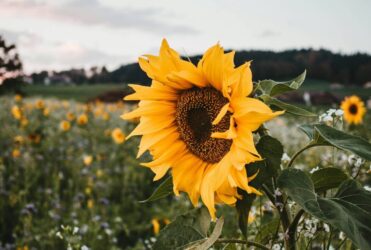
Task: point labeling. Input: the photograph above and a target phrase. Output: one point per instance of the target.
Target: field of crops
(69, 178)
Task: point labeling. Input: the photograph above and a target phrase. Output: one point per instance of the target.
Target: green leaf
(349, 210)
(345, 141)
(163, 190)
(243, 207)
(213, 237)
(328, 178)
(324, 135)
(273, 88)
(267, 231)
(184, 230)
(287, 107)
(271, 151)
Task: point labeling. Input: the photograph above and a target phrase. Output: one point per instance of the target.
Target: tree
(10, 68)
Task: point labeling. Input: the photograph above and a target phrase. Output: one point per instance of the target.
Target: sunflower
(118, 136)
(82, 119)
(198, 121)
(354, 109)
(65, 125)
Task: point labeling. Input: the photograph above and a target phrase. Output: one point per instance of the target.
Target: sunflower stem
(310, 145)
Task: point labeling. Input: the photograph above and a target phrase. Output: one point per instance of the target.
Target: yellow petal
(161, 93)
(213, 66)
(152, 124)
(221, 114)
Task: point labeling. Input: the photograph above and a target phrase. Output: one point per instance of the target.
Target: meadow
(69, 179)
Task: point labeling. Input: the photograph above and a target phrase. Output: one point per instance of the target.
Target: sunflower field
(221, 163)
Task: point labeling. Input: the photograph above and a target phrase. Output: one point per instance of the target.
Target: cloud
(22, 38)
(91, 12)
(268, 33)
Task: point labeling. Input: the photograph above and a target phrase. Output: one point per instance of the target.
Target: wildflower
(18, 139)
(40, 104)
(118, 136)
(65, 125)
(354, 109)
(46, 112)
(156, 226)
(70, 116)
(285, 158)
(166, 221)
(87, 159)
(367, 188)
(88, 191)
(18, 98)
(24, 121)
(314, 170)
(16, 153)
(17, 112)
(82, 119)
(339, 112)
(35, 138)
(90, 203)
(199, 121)
(99, 173)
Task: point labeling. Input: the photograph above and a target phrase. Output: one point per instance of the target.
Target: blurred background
(65, 66)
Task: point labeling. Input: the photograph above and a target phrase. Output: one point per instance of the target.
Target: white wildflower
(331, 111)
(285, 157)
(75, 230)
(368, 188)
(341, 236)
(277, 247)
(314, 170)
(358, 163)
(339, 112)
(328, 118)
(59, 235)
(84, 247)
(326, 227)
(277, 192)
(352, 159)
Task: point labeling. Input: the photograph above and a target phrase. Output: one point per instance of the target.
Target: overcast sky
(81, 33)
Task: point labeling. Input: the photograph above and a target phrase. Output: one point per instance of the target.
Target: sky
(61, 34)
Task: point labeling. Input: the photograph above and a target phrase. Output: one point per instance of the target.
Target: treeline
(320, 64)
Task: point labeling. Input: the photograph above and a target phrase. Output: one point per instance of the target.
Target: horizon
(60, 36)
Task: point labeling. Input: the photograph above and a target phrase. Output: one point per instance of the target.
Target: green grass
(80, 93)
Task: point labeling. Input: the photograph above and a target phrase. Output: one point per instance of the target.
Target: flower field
(69, 178)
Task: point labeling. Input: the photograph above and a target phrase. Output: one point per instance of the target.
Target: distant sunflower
(354, 109)
(199, 121)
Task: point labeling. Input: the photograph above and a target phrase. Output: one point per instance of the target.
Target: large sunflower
(354, 109)
(198, 121)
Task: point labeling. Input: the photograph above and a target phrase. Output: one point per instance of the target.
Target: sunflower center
(353, 109)
(195, 111)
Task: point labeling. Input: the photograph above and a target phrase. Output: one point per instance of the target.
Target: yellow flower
(18, 139)
(82, 119)
(156, 226)
(88, 191)
(16, 153)
(199, 121)
(87, 159)
(46, 112)
(118, 136)
(65, 125)
(354, 109)
(35, 138)
(18, 98)
(24, 122)
(17, 112)
(251, 218)
(40, 104)
(166, 221)
(70, 116)
(90, 203)
(105, 116)
(99, 173)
